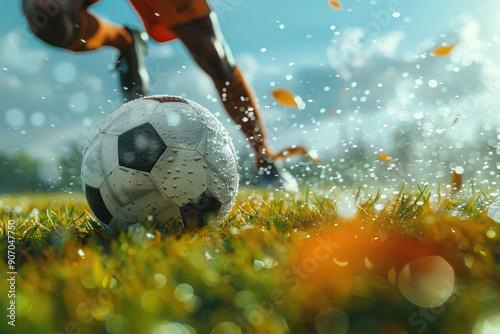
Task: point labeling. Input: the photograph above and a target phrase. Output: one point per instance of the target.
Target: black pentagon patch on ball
(96, 203)
(197, 210)
(140, 148)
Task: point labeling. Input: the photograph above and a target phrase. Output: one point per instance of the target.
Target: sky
(364, 71)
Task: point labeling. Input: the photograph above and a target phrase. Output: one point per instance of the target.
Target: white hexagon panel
(128, 116)
(134, 197)
(100, 158)
(181, 175)
(220, 155)
(211, 122)
(178, 124)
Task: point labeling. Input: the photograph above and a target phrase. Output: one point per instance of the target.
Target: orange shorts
(158, 16)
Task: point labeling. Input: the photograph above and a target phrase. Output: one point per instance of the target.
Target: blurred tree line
(18, 173)
(23, 173)
(416, 156)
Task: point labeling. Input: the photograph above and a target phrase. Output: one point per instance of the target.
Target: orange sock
(237, 98)
(95, 33)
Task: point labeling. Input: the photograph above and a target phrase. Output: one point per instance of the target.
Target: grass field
(324, 261)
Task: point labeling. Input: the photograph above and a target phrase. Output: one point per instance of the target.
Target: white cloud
(388, 44)
(161, 51)
(353, 49)
(17, 56)
(471, 47)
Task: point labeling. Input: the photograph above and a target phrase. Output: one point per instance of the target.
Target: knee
(217, 60)
(51, 21)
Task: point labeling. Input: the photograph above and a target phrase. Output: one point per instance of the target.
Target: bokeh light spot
(37, 118)
(183, 292)
(173, 328)
(65, 72)
(490, 325)
(14, 118)
(160, 281)
(226, 328)
(427, 281)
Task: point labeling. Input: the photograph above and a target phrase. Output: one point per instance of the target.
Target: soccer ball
(162, 159)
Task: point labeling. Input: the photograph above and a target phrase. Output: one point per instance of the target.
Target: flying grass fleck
(336, 4)
(288, 98)
(385, 157)
(443, 51)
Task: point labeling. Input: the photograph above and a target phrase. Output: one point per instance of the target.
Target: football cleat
(134, 78)
(272, 176)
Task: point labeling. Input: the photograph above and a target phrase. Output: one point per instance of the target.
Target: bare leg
(68, 25)
(206, 44)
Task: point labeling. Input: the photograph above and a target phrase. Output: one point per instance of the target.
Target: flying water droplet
(428, 281)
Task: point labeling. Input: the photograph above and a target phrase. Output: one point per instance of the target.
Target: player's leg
(68, 25)
(206, 44)
(54, 23)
